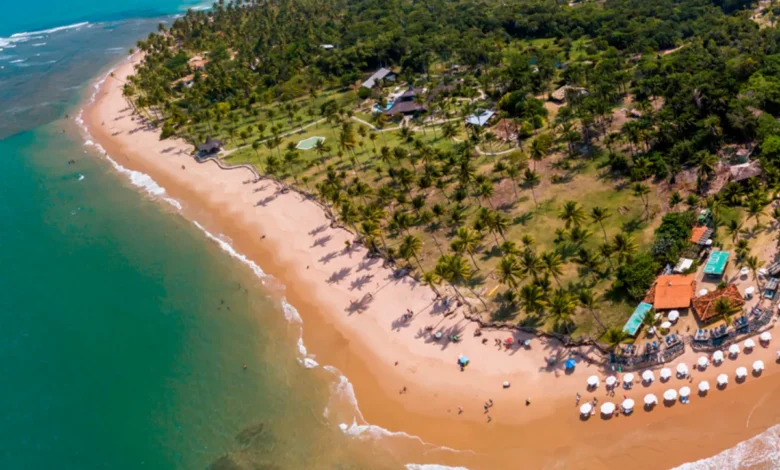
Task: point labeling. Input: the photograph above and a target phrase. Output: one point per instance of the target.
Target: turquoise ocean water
(124, 328)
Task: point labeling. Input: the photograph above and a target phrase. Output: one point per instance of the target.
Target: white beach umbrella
(749, 343)
(741, 372)
(682, 369)
(723, 379)
(762, 272)
(666, 325)
(593, 381)
(749, 291)
(744, 271)
(674, 315)
(758, 366)
(628, 378)
(648, 376)
(704, 386)
(586, 408)
(628, 404)
(650, 399)
(733, 350)
(608, 408)
(703, 362)
(685, 392)
(611, 380)
(665, 373)
(703, 292)
(765, 336)
(717, 356)
(670, 395)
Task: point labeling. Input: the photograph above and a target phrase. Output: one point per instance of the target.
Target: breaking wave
(762, 451)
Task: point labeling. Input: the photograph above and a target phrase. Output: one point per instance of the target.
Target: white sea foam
(762, 451)
(291, 313)
(39, 44)
(17, 61)
(228, 248)
(27, 36)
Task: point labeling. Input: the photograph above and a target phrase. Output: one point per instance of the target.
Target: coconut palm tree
(598, 215)
(733, 228)
(589, 301)
(533, 299)
(455, 270)
(624, 246)
(614, 337)
(467, 240)
(725, 309)
(509, 272)
(675, 199)
(572, 214)
(410, 248)
(531, 180)
(530, 264)
(752, 263)
(431, 279)
(552, 263)
(561, 309)
(642, 191)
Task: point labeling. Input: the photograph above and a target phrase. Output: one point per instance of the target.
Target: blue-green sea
(129, 338)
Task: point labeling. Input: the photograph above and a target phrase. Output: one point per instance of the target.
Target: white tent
(723, 379)
(666, 325)
(749, 343)
(628, 378)
(650, 399)
(758, 366)
(608, 408)
(703, 362)
(717, 356)
(586, 408)
(733, 350)
(741, 372)
(703, 292)
(593, 381)
(685, 392)
(611, 380)
(665, 373)
(648, 376)
(628, 404)
(682, 369)
(670, 395)
(674, 315)
(704, 386)
(765, 336)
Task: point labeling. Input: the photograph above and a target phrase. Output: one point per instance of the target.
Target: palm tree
(530, 264)
(642, 191)
(410, 248)
(649, 319)
(467, 240)
(725, 309)
(589, 301)
(614, 337)
(675, 199)
(572, 214)
(598, 215)
(509, 272)
(754, 209)
(562, 307)
(533, 299)
(455, 270)
(485, 191)
(752, 263)
(531, 180)
(431, 279)
(733, 228)
(552, 263)
(624, 246)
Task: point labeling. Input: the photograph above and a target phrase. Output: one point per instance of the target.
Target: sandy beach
(365, 337)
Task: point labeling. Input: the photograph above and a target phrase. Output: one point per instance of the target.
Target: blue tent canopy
(463, 360)
(570, 363)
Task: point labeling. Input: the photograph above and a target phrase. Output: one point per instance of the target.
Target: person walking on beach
(577, 399)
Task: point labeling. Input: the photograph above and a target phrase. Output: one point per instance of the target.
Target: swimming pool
(309, 143)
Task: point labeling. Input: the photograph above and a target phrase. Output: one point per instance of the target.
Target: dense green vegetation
(561, 227)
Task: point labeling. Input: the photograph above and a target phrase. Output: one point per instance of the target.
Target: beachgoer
(486, 407)
(490, 401)
(244, 366)
(577, 400)
(404, 390)
(396, 362)
(527, 402)
(460, 410)
(489, 419)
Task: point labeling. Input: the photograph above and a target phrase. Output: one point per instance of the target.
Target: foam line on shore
(761, 451)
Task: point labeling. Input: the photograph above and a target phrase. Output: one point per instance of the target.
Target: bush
(636, 277)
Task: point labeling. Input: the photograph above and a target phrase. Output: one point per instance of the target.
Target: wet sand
(291, 239)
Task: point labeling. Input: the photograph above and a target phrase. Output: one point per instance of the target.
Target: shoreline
(277, 235)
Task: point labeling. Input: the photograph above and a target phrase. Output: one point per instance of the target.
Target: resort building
(211, 146)
(716, 264)
(562, 94)
(407, 103)
(672, 292)
(381, 74)
(704, 306)
(701, 235)
(198, 63)
(480, 120)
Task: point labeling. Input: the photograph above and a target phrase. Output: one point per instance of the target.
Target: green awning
(635, 320)
(716, 265)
